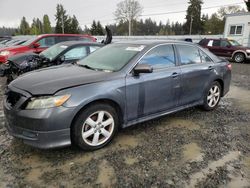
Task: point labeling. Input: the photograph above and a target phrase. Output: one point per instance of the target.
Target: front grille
(12, 98)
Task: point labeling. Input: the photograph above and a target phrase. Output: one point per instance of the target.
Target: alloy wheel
(213, 96)
(98, 128)
(239, 58)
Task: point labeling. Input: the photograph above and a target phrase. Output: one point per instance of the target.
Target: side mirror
(142, 68)
(36, 45)
(61, 59)
(229, 45)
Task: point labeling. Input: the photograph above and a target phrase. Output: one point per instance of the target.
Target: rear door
(214, 46)
(196, 68)
(150, 93)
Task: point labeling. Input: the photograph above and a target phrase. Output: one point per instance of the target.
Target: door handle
(175, 74)
(210, 68)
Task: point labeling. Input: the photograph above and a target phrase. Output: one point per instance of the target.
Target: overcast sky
(11, 11)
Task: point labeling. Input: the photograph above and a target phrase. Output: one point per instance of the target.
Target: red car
(40, 43)
(227, 48)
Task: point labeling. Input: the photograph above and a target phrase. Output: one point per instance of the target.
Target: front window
(234, 43)
(112, 57)
(46, 42)
(28, 42)
(52, 52)
(236, 30)
(76, 53)
(160, 57)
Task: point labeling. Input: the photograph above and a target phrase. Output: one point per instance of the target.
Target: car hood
(13, 48)
(50, 80)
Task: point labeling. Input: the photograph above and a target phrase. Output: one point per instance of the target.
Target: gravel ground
(191, 148)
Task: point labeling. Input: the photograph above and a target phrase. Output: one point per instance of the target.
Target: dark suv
(227, 48)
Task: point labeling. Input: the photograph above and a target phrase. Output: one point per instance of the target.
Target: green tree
(34, 29)
(93, 29)
(248, 5)
(46, 24)
(99, 28)
(74, 25)
(214, 25)
(62, 20)
(24, 28)
(193, 17)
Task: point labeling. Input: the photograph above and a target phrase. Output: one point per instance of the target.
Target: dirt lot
(191, 148)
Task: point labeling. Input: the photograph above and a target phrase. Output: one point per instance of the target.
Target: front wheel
(95, 127)
(212, 96)
(239, 57)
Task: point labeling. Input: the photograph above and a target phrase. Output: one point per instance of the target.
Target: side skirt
(159, 114)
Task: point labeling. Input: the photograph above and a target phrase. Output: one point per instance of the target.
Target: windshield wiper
(86, 66)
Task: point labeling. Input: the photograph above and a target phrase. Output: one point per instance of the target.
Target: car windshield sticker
(135, 48)
(63, 46)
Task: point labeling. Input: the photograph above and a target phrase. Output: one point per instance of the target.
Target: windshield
(112, 57)
(53, 51)
(234, 43)
(28, 42)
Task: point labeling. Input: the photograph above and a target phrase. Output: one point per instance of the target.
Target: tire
(239, 57)
(210, 99)
(90, 132)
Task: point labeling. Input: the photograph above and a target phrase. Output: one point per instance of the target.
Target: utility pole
(191, 23)
(129, 27)
(62, 24)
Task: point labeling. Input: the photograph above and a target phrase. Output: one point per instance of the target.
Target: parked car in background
(118, 85)
(227, 48)
(16, 40)
(39, 43)
(61, 53)
(2, 38)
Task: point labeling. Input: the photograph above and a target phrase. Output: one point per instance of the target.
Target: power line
(173, 12)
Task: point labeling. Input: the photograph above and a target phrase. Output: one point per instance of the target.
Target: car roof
(154, 42)
(58, 34)
(70, 43)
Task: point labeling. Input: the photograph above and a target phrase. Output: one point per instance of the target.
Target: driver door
(151, 93)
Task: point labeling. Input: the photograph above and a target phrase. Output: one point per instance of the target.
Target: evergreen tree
(74, 25)
(46, 24)
(24, 28)
(93, 29)
(34, 29)
(39, 26)
(99, 29)
(62, 20)
(193, 17)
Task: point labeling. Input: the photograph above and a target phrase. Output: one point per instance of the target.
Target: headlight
(248, 50)
(47, 102)
(4, 53)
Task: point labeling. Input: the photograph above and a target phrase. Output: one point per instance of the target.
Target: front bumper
(41, 139)
(44, 128)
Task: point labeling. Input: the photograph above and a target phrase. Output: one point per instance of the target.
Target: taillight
(229, 66)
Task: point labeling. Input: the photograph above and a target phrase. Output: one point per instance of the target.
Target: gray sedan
(117, 86)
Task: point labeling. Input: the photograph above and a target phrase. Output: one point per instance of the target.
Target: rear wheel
(212, 96)
(239, 57)
(95, 127)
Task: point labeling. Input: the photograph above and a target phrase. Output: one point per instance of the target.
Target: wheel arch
(110, 102)
(239, 51)
(220, 81)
